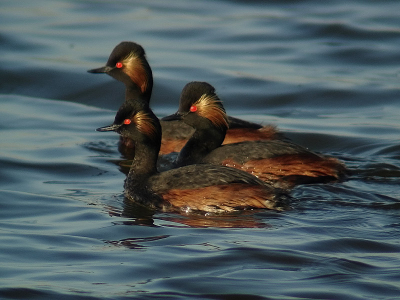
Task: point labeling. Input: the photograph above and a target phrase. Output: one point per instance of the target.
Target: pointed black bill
(104, 69)
(175, 116)
(112, 127)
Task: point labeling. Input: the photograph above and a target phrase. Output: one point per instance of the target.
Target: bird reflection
(143, 216)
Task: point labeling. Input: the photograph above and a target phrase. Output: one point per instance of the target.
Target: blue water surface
(326, 73)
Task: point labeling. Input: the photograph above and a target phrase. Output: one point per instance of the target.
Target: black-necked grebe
(203, 187)
(128, 64)
(274, 160)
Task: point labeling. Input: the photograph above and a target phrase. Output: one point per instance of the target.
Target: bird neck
(144, 163)
(132, 91)
(200, 144)
(136, 183)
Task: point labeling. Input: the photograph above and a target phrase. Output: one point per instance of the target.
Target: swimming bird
(203, 187)
(271, 161)
(128, 64)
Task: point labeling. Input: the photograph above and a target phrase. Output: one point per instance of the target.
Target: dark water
(325, 72)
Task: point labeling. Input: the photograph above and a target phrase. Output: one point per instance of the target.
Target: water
(326, 73)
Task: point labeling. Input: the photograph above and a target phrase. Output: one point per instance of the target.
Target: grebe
(127, 63)
(207, 188)
(276, 160)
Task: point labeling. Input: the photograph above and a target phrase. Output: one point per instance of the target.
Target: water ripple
(326, 73)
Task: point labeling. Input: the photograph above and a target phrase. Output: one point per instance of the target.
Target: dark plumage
(274, 160)
(127, 63)
(203, 187)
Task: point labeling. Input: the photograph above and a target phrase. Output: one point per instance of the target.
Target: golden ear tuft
(144, 123)
(136, 71)
(210, 107)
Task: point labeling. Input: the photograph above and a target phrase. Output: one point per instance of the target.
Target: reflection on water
(244, 219)
(325, 73)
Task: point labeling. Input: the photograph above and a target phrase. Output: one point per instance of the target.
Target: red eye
(127, 121)
(193, 108)
(118, 65)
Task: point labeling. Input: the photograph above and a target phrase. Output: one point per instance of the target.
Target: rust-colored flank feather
(221, 198)
(287, 166)
(171, 145)
(208, 107)
(136, 71)
(237, 135)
